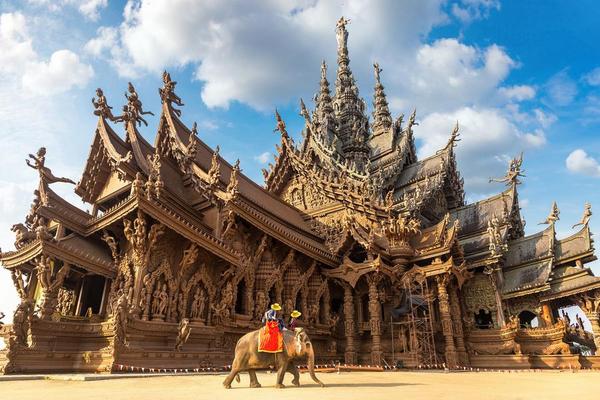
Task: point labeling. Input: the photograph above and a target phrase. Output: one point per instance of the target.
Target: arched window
(528, 319)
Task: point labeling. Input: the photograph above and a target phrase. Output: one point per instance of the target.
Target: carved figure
(101, 107)
(22, 322)
(198, 304)
(39, 164)
(553, 216)
(587, 214)
(23, 235)
(513, 173)
(167, 92)
(183, 333)
(121, 317)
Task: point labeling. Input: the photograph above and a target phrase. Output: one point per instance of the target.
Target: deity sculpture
(198, 304)
(39, 164)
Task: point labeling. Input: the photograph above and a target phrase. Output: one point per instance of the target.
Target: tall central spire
(353, 125)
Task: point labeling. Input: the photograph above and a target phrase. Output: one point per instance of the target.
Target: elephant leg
(292, 369)
(235, 370)
(253, 379)
(280, 374)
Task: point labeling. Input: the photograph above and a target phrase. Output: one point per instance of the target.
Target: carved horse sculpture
(296, 345)
(23, 235)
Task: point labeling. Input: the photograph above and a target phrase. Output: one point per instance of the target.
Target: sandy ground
(350, 385)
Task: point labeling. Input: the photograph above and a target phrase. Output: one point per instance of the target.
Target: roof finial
(167, 93)
(133, 110)
(280, 125)
(342, 33)
(304, 111)
(587, 214)
(46, 175)
(412, 118)
(101, 107)
(382, 119)
(553, 216)
(513, 173)
(377, 72)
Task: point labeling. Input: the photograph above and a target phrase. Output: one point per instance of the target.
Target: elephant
(296, 345)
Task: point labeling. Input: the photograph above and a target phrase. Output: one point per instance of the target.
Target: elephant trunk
(311, 365)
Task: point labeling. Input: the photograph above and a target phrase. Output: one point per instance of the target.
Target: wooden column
(547, 314)
(349, 325)
(495, 279)
(446, 318)
(375, 318)
(457, 324)
(590, 305)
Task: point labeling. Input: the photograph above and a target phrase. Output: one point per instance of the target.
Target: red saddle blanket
(270, 339)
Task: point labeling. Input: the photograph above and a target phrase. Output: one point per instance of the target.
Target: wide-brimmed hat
(295, 314)
(276, 307)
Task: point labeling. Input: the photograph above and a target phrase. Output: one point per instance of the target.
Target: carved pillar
(590, 305)
(349, 325)
(547, 314)
(457, 325)
(595, 322)
(496, 279)
(375, 318)
(50, 281)
(446, 318)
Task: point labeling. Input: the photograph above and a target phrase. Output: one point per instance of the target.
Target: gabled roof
(107, 152)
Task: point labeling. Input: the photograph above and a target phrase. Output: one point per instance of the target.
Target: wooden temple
(181, 253)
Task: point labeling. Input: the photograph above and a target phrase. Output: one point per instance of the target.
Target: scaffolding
(416, 311)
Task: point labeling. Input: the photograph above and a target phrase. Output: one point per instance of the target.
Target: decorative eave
(64, 249)
(58, 209)
(350, 271)
(578, 246)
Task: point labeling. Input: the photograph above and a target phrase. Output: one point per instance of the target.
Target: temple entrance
(527, 319)
(92, 295)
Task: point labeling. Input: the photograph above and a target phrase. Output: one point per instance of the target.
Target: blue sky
(519, 76)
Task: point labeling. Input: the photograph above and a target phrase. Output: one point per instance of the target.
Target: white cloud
(561, 89)
(488, 139)
(61, 73)
(545, 119)
(518, 93)
(15, 44)
(263, 53)
(593, 77)
(263, 158)
(469, 10)
(19, 60)
(582, 163)
(105, 40)
(90, 9)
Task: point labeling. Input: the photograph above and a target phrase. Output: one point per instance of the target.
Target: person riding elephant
(270, 337)
(271, 315)
(293, 319)
(297, 345)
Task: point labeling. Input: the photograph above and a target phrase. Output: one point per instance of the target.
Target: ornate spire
(352, 123)
(382, 120)
(324, 108)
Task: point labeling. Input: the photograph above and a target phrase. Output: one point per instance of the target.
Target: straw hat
(295, 314)
(276, 307)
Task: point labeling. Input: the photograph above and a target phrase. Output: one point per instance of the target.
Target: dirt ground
(349, 385)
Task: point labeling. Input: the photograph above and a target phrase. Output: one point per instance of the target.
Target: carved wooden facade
(182, 253)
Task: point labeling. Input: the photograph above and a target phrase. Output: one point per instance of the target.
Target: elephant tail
(237, 378)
